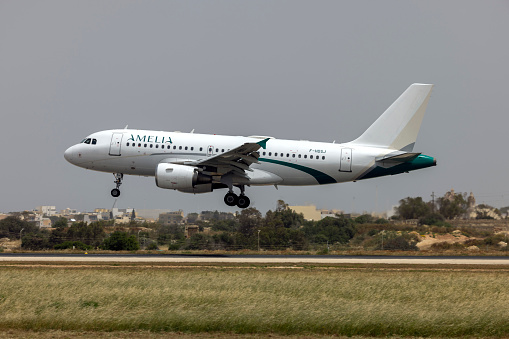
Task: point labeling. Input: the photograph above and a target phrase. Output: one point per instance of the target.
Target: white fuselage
(287, 162)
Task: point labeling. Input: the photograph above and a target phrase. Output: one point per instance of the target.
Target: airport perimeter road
(255, 259)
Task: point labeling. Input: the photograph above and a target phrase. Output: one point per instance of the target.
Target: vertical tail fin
(398, 126)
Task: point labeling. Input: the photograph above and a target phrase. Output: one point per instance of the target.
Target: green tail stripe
(422, 161)
(321, 177)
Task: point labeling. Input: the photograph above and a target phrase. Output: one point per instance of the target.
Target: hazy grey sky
(315, 70)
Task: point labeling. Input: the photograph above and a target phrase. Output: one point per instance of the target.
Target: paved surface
(269, 259)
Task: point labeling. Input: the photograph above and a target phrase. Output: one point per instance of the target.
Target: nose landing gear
(118, 181)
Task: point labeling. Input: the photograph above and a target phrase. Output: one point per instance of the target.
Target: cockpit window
(87, 141)
(94, 141)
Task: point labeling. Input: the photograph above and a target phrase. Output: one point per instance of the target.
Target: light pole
(20, 238)
(258, 240)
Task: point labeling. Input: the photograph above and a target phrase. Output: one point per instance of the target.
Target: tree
(413, 208)
(91, 234)
(11, 227)
(338, 229)
(432, 219)
(250, 220)
(283, 217)
(364, 219)
(60, 222)
(35, 242)
(121, 241)
(452, 206)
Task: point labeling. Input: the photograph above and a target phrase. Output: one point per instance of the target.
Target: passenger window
(174, 147)
(222, 151)
(201, 149)
(217, 150)
(310, 157)
(287, 155)
(270, 154)
(157, 146)
(145, 145)
(192, 148)
(94, 141)
(282, 155)
(305, 156)
(299, 156)
(127, 144)
(264, 153)
(323, 158)
(134, 145)
(168, 147)
(139, 145)
(293, 155)
(180, 147)
(275, 154)
(151, 145)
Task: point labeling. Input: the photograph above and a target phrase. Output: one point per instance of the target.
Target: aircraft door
(210, 151)
(116, 143)
(345, 162)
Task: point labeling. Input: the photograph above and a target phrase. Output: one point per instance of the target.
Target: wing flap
(236, 160)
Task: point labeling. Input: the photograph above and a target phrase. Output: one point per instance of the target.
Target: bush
(34, 242)
(121, 241)
(152, 246)
(432, 219)
(174, 247)
(441, 246)
(71, 245)
(400, 244)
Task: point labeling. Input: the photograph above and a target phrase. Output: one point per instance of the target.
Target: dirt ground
(430, 239)
(9, 245)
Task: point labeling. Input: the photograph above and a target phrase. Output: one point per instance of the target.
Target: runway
(254, 259)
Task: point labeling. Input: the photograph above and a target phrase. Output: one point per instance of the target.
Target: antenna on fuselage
(126, 126)
(192, 131)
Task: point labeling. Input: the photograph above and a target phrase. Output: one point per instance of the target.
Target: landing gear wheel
(243, 202)
(118, 181)
(231, 199)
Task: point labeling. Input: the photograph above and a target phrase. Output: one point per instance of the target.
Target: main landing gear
(115, 193)
(232, 199)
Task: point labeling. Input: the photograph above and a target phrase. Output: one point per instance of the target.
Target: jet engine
(179, 177)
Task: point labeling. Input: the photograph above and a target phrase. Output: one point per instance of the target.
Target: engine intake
(179, 177)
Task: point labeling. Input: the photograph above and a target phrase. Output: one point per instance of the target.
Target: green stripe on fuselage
(321, 177)
(422, 161)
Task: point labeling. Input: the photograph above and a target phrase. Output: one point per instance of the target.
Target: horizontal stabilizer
(391, 160)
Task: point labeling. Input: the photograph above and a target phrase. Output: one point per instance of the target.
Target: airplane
(201, 163)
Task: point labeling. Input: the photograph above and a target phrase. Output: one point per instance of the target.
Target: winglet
(263, 143)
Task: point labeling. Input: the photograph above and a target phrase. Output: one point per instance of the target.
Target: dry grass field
(253, 301)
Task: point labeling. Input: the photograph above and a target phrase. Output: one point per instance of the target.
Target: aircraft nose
(69, 154)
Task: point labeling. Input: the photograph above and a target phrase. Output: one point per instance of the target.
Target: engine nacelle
(179, 177)
(206, 188)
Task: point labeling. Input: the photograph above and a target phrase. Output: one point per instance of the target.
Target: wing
(236, 160)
